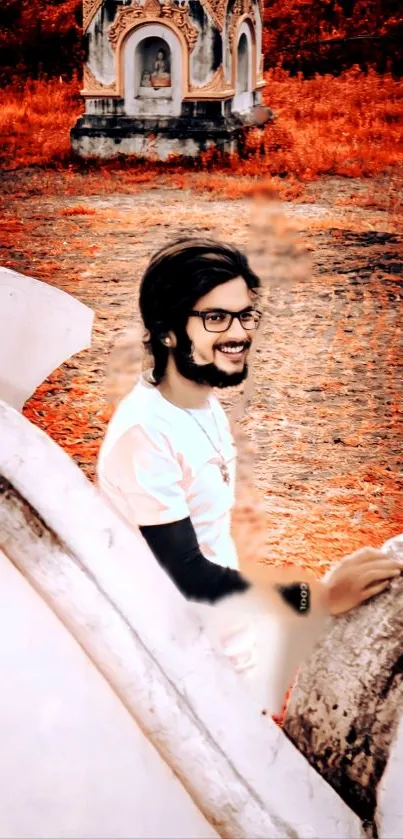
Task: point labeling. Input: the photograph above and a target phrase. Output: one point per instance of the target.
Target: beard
(203, 374)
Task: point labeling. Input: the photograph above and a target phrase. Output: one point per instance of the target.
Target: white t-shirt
(157, 465)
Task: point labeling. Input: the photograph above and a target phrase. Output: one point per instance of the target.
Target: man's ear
(169, 340)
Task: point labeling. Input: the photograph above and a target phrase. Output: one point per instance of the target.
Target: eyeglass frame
(233, 316)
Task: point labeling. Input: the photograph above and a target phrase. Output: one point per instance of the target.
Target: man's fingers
(365, 555)
(374, 589)
(378, 573)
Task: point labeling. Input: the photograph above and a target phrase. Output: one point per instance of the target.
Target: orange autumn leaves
(350, 126)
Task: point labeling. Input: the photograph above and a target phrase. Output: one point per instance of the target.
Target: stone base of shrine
(158, 138)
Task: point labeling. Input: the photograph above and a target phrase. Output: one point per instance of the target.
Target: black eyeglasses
(220, 320)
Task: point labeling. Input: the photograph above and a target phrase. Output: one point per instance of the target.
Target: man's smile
(235, 350)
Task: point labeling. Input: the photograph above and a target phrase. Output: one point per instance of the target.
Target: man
(167, 463)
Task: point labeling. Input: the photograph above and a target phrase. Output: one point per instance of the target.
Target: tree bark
(346, 705)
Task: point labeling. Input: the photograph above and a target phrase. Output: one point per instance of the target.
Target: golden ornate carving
(90, 8)
(94, 87)
(152, 7)
(216, 10)
(130, 16)
(241, 8)
(217, 84)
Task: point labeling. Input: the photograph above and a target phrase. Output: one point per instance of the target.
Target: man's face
(217, 359)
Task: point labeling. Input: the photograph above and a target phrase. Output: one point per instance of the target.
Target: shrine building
(171, 77)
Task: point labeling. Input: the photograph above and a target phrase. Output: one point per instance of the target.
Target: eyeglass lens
(220, 321)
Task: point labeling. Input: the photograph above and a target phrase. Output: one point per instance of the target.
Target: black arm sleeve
(177, 550)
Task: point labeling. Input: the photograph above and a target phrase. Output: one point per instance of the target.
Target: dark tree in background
(40, 38)
(44, 37)
(326, 36)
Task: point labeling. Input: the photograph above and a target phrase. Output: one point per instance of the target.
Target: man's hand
(358, 577)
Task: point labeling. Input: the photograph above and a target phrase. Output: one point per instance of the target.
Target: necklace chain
(223, 466)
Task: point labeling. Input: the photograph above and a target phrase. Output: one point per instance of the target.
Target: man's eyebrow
(249, 308)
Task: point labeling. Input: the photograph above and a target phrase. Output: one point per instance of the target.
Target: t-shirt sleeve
(154, 478)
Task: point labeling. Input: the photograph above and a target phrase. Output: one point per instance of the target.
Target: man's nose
(237, 330)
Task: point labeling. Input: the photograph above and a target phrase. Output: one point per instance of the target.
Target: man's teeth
(233, 349)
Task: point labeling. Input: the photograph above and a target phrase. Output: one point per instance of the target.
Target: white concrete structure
(73, 761)
(41, 327)
(117, 716)
(186, 74)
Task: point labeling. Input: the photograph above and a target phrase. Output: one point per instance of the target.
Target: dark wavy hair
(176, 277)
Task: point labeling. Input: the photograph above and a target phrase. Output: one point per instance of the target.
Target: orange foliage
(330, 36)
(340, 126)
(40, 36)
(389, 202)
(79, 210)
(348, 126)
(35, 121)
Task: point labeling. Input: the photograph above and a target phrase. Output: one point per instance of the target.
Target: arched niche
(243, 61)
(153, 66)
(245, 71)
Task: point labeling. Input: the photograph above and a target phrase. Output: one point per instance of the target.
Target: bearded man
(167, 463)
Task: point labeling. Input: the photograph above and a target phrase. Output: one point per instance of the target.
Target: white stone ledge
(103, 583)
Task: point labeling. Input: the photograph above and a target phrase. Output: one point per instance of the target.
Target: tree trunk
(346, 705)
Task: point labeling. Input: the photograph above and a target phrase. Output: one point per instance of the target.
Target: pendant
(224, 473)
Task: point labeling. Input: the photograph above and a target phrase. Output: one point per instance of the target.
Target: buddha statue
(161, 76)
